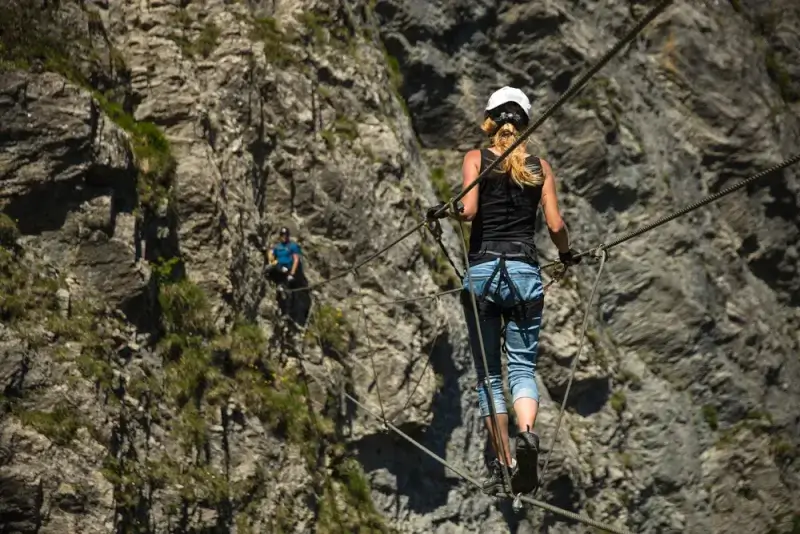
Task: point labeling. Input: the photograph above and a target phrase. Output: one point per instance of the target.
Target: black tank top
(506, 211)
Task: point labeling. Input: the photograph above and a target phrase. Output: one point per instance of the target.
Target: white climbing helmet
(508, 94)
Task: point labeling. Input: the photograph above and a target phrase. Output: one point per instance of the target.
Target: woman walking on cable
(505, 279)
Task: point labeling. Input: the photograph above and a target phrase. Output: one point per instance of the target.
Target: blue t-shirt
(283, 253)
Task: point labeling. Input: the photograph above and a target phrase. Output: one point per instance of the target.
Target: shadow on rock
(420, 478)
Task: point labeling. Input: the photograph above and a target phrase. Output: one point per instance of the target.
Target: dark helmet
(284, 231)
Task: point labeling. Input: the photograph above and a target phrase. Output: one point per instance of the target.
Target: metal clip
(435, 228)
(517, 504)
(597, 252)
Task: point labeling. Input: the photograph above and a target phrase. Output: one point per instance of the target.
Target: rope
(487, 383)
(360, 264)
(691, 207)
(574, 365)
(543, 505)
(419, 380)
(414, 299)
(568, 94)
(372, 361)
(436, 232)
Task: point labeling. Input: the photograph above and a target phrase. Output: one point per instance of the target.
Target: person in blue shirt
(286, 254)
(286, 270)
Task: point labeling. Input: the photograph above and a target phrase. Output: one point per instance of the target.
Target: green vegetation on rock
(9, 233)
(59, 46)
(343, 127)
(618, 401)
(276, 41)
(60, 425)
(711, 416)
(323, 30)
(203, 44)
(152, 151)
(27, 291)
(331, 329)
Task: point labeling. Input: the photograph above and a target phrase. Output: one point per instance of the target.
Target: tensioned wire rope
(563, 99)
(469, 478)
(573, 89)
(497, 438)
(602, 249)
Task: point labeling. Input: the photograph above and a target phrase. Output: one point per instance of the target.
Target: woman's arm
(469, 172)
(555, 223)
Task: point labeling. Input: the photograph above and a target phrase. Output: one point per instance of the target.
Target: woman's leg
(522, 348)
(490, 332)
(489, 325)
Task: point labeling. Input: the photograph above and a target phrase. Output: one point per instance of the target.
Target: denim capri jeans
(521, 334)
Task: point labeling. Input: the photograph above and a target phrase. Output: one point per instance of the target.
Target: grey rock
(682, 416)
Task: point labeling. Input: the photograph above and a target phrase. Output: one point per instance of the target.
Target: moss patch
(331, 329)
(618, 401)
(185, 309)
(276, 41)
(203, 44)
(60, 425)
(346, 505)
(206, 42)
(711, 416)
(9, 233)
(152, 151)
(343, 127)
(27, 291)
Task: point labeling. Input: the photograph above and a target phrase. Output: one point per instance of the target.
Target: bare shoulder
(472, 156)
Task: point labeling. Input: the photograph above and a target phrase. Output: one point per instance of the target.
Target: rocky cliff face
(151, 149)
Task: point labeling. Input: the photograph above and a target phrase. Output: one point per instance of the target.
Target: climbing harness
(505, 251)
(600, 251)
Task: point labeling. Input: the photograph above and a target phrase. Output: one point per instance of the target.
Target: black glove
(569, 258)
(431, 213)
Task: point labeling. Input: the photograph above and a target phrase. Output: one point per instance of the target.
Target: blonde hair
(514, 164)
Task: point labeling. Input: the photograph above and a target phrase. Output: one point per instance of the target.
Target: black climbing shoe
(494, 482)
(526, 477)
